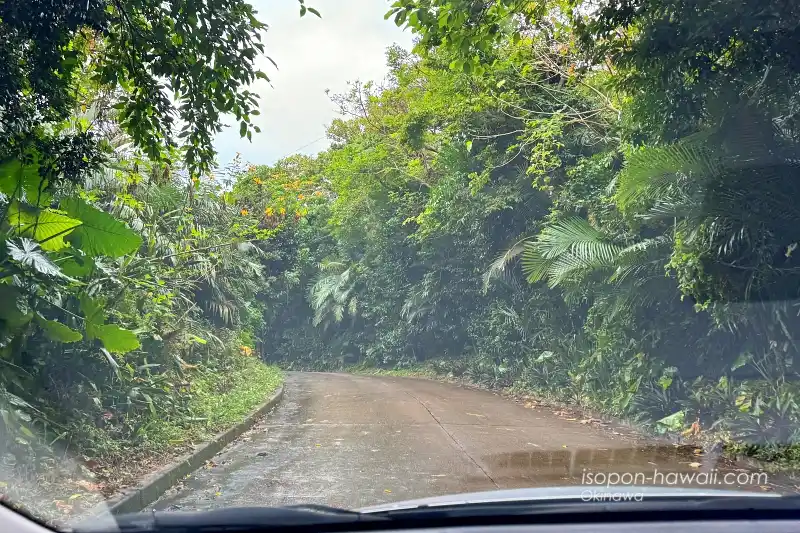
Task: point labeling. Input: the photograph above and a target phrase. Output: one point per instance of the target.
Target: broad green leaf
(23, 182)
(77, 267)
(57, 331)
(45, 226)
(673, 422)
(99, 233)
(116, 339)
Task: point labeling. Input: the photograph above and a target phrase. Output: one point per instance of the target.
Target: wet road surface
(354, 441)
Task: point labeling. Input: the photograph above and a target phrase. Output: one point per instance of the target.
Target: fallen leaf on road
(387, 491)
(476, 414)
(563, 445)
(765, 487)
(532, 444)
(698, 451)
(217, 493)
(572, 419)
(75, 496)
(318, 445)
(694, 465)
(261, 454)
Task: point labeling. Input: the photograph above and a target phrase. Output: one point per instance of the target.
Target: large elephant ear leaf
(45, 226)
(99, 233)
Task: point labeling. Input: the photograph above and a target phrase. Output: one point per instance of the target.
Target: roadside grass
(104, 460)
(218, 401)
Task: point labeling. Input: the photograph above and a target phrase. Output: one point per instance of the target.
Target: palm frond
(650, 171)
(567, 249)
(499, 267)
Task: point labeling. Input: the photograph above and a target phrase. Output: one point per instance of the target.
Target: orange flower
(244, 212)
(282, 210)
(318, 194)
(300, 197)
(258, 181)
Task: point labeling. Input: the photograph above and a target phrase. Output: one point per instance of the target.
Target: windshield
(355, 253)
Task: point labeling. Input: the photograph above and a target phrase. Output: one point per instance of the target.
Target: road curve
(353, 441)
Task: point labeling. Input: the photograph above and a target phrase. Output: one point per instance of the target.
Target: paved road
(353, 441)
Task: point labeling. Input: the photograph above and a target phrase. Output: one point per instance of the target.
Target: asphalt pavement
(352, 441)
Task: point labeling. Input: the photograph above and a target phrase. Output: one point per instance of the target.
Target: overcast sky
(313, 54)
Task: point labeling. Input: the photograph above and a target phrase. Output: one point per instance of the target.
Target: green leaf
(673, 422)
(23, 182)
(468, 144)
(115, 338)
(243, 129)
(77, 267)
(47, 227)
(57, 331)
(741, 360)
(99, 233)
(92, 313)
(314, 11)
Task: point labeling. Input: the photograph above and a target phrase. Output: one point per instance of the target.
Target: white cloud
(346, 44)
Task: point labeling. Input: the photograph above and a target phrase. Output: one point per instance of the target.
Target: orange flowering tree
(272, 196)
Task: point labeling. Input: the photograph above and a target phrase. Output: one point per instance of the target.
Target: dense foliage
(596, 203)
(590, 201)
(128, 273)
